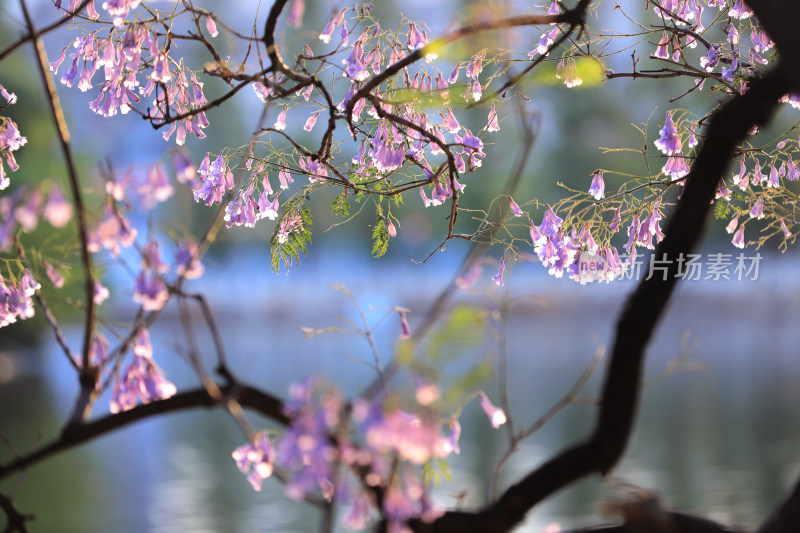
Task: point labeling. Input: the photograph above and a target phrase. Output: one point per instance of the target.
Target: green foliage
(292, 233)
(340, 206)
(435, 470)
(380, 235)
(721, 210)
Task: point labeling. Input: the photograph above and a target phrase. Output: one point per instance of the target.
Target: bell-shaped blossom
(731, 227)
(676, 167)
(661, 50)
(757, 210)
(305, 449)
(498, 278)
(739, 10)
(150, 291)
(598, 186)
(311, 121)
(113, 234)
(738, 237)
(187, 260)
(515, 209)
(411, 437)
(355, 67)
(211, 27)
(142, 380)
(57, 210)
(568, 72)
(669, 141)
(101, 293)
(416, 39)
(256, 461)
(216, 180)
(492, 123)
(497, 416)
(784, 229)
(54, 275)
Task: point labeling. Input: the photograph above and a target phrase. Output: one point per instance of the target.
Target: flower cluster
(15, 298)
(26, 206)
(120, 55)
(10, 139)
(575, 252)
(313, 444)
(142, 380)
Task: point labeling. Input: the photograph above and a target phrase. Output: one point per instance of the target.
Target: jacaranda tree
(375, 114)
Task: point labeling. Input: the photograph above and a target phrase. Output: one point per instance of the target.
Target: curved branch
(74, 435)
(571, 17)
(620, 394)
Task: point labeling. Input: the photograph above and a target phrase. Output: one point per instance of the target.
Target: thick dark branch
(16, 520)
(600, 453)
(786, 519)
(683, 523)
(247, 396)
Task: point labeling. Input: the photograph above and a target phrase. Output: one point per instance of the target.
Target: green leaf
(286, 249)
(380, 235)
(721, 210)
(340, 206)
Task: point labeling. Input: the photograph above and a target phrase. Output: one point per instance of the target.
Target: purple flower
(661, 50)
(551, 224)
(512, 205)
(416, 39)
(569, 73)
(492, 124)
(101, 293)
(55, 277)
(185, 169)
(676, 167)
(738, 238)
(731, 227)
(784, 229)
(211, 26)
(710, 61)
(150, 291)
(296, 11)
(739, 10)
(280, 123)
(669, 142)
(469, 279)
(450, 122)
(498, 278)
(142, 380)
(598, 187)
(112, 234)
(255, 460)
(187, 260)
(774, 179)
(413, 438)
(355, 67)
(792, 172)
(496, 415)
(311, 121)
(451, 444)
(757, 211)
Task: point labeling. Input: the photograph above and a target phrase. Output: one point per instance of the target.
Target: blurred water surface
(724, 441)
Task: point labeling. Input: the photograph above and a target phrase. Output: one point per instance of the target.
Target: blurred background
(719, 437)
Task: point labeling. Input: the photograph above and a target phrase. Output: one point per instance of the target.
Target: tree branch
(74, 435)
(88, 374)
(620, 394)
